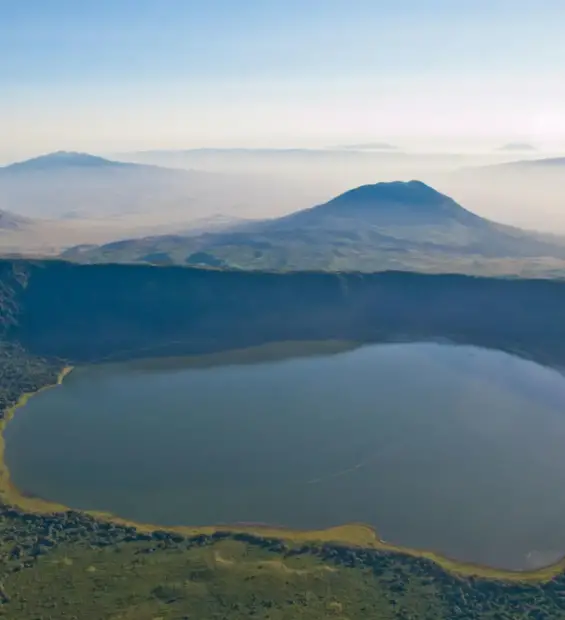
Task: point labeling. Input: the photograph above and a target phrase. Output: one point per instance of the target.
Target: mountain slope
(92, 312)
(384, 204)
(529, 193)
(11, 221)
(536, 163)
(373, 227)
(78, 185)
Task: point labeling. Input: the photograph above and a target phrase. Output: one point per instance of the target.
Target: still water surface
(456, 449)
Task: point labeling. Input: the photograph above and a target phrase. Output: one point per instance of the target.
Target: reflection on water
(456, 449)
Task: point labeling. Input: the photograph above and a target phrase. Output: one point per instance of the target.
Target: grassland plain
(60, 563)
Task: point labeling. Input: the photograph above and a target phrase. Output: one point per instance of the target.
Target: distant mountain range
(548, 162)
(369, 146)
(398, 225)
(518, 146)
(10, 221)
(529, 193)
(58, 161)
(182, 216)
(277, 161)
(62, 199)
(78, 185)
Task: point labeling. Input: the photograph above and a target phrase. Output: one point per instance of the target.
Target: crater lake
(455, 449)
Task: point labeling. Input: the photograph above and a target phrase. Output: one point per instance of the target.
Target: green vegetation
(21, 373)
(67, 564)
(91, 313)
(71, 566)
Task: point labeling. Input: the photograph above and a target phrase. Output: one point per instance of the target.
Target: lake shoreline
(355, 535)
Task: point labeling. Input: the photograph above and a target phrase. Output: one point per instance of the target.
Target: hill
(58, 161)
(64, 199)
(398, 225)
(72, 186)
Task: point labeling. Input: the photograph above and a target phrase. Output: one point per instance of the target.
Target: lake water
(456, 449)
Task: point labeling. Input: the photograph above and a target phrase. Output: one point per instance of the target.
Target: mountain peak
(63, 159)
(402, 192)
(381, 205)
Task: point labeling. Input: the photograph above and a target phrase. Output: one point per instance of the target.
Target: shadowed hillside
(92, 312)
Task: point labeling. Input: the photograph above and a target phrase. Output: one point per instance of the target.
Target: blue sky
(120, 74)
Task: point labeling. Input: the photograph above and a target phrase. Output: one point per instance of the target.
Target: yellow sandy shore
(355, 534)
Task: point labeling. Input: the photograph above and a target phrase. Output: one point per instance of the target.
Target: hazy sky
(126, 74)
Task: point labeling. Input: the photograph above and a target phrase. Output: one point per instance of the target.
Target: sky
(118, 75)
